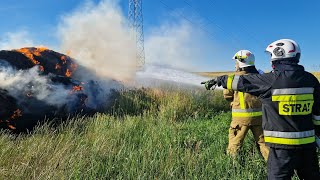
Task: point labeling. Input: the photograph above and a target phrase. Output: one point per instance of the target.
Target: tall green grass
(148, 134)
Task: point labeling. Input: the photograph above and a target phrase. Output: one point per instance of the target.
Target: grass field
(149, 134)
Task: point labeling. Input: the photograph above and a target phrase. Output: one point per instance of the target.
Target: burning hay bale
(38, 83)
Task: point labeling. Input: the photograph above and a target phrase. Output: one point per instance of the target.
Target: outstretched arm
(255, 84)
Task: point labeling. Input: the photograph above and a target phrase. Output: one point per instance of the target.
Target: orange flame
(68, 73)
(63, 59)
(73, 67)
(29, 53)
(77, 88)
(11, 127)
(17, 113)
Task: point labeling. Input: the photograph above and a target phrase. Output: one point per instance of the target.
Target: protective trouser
(283, 162)
(238, 132)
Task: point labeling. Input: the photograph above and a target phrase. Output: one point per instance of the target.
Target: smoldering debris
(38, 83)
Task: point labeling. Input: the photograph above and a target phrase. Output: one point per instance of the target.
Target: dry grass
(317, 74)
(151, 134)
(214, 74)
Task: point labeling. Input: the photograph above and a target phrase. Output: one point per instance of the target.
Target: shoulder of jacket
(239, 73)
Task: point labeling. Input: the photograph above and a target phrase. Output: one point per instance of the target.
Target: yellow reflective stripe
(316, 122)
(246, 114)
(289, 141)
(298, 97)
(241, 99)
(295, 108)
(241, 56)
(229, 82)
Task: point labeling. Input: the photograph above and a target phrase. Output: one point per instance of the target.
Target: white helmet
(245, 58)
(282, 49)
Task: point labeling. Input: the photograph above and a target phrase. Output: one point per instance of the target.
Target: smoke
(15, 40)
(179, 45)
(99, 39)
(173, 51)
(97, 36)
(21, 83)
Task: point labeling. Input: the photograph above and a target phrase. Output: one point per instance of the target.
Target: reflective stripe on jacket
(290, 100)
(246, 108)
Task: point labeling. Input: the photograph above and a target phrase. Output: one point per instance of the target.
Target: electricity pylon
(136, 25)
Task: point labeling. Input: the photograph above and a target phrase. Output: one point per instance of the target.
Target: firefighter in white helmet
(290, 99)
(246, 109)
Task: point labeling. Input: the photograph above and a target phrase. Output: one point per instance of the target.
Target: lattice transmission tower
(136, 25)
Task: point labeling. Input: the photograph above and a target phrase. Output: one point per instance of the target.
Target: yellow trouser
(238, 132)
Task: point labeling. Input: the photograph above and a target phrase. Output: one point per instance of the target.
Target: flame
(30, 53)
(17, 113)
(11, 127)
(63, 59)
(41, 68)
(66, 65)
(39, 50)
(77, 88)
(73, 67)
(68, 73)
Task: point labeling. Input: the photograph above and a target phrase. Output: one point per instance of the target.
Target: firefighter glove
(208, 84)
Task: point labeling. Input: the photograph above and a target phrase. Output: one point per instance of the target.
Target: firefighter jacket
(246, 109)
(290, 100)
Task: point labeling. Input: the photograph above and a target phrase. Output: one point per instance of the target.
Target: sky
(218, 28)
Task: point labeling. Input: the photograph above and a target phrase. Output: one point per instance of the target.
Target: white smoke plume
(98, 37)
(20, 83)
(177, 45)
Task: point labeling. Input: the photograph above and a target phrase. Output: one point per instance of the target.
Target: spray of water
(152, 74)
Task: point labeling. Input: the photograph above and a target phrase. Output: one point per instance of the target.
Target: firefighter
(290, 99)
(246, 109)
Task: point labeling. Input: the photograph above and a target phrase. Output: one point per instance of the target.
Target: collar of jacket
(287, 67)
(249, 69)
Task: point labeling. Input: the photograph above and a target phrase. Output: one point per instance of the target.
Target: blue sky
(232, 25)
